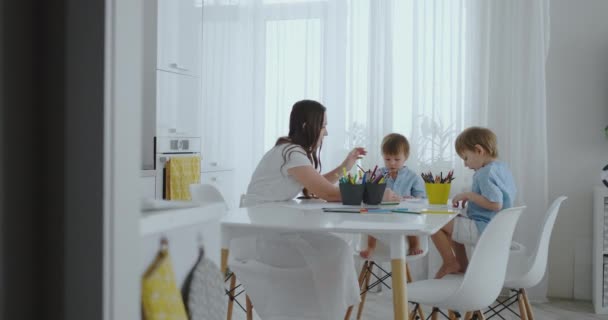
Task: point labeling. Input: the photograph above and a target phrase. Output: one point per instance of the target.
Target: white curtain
(426, 69)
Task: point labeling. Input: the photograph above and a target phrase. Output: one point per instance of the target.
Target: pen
(377, 210)
(404, 210)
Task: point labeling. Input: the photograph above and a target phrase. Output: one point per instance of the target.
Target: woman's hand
(389, 195)
(354, 155)
(461, 199)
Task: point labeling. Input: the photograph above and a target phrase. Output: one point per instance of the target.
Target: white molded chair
(381, 255)
(206, 193)
(484, 278)
(301, 303)
(527, 267)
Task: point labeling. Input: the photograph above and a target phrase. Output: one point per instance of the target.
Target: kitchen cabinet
(177, 105)
(172, 39)
(179, 30)
(147, 186)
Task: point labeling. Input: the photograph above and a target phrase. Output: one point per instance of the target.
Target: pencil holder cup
(438, 193)
(352, 194)
(373, 193)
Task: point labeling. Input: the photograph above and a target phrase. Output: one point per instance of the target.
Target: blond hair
(395, 143)
(470, 137)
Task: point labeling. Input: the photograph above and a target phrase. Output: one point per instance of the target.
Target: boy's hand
(389, 195)
(460, 198)
(354, 155)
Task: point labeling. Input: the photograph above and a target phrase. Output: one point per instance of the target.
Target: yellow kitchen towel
(161, 300)
(180, 173)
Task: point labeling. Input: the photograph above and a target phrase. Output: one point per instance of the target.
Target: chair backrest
(487, 268)
(540, 254)
(205, 194)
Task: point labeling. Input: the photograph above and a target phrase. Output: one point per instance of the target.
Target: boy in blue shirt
(493, 190)
(401, 180)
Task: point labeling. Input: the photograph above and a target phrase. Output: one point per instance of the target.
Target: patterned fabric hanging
(161, 300)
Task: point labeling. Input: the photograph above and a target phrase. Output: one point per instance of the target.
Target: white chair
(297, 281)
(206, 193)
(381, 255)
(484, 278)
(527, 267)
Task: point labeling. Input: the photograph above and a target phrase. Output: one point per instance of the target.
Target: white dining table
(309, 216)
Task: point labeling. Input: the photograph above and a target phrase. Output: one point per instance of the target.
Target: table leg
(224, 262)
(225, 249)
(398, 248)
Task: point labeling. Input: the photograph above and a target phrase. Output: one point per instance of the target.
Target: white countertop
(178, 215)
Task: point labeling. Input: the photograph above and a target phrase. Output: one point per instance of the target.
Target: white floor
(379, 306)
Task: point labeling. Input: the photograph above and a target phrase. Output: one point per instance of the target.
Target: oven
(170, 147)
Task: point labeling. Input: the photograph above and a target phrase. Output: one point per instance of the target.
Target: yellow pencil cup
(438, 193)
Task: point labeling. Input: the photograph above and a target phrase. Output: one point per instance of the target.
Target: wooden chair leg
(249, 307)
(451, 315)
(364, 295)
(468, 315)
(480, 315)
(231, 300)
(408, 273)
(523, 314)
(415, 311)
(434, 313)
(529, 312)
(421, 312)
(349, 311)
(412, 315)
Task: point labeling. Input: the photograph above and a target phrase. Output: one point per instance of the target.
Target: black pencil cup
(352, 194)
(374, 192)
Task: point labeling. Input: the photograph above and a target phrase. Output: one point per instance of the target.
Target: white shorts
(465, 231)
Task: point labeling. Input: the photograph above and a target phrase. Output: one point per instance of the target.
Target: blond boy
(493, 189)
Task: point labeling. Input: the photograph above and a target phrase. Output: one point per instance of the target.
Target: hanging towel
(180, 173)
(161, 300)
(204, 291)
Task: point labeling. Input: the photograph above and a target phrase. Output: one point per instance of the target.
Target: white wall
(577, 104)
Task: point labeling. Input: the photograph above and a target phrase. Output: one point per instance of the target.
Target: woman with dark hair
(290, 167)
(293, 164)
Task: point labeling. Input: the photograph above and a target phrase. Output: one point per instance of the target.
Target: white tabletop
(309, 216)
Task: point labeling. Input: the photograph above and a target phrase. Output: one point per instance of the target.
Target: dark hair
(305, 124)
(395, 143)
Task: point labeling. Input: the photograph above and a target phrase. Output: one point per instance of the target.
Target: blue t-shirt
(407, 183)
(495, 182)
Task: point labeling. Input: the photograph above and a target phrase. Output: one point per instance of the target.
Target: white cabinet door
(179, 36)
(177, 105)
(223, 181)
(147, 187)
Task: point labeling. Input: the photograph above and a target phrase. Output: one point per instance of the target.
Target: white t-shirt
(270, 180)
